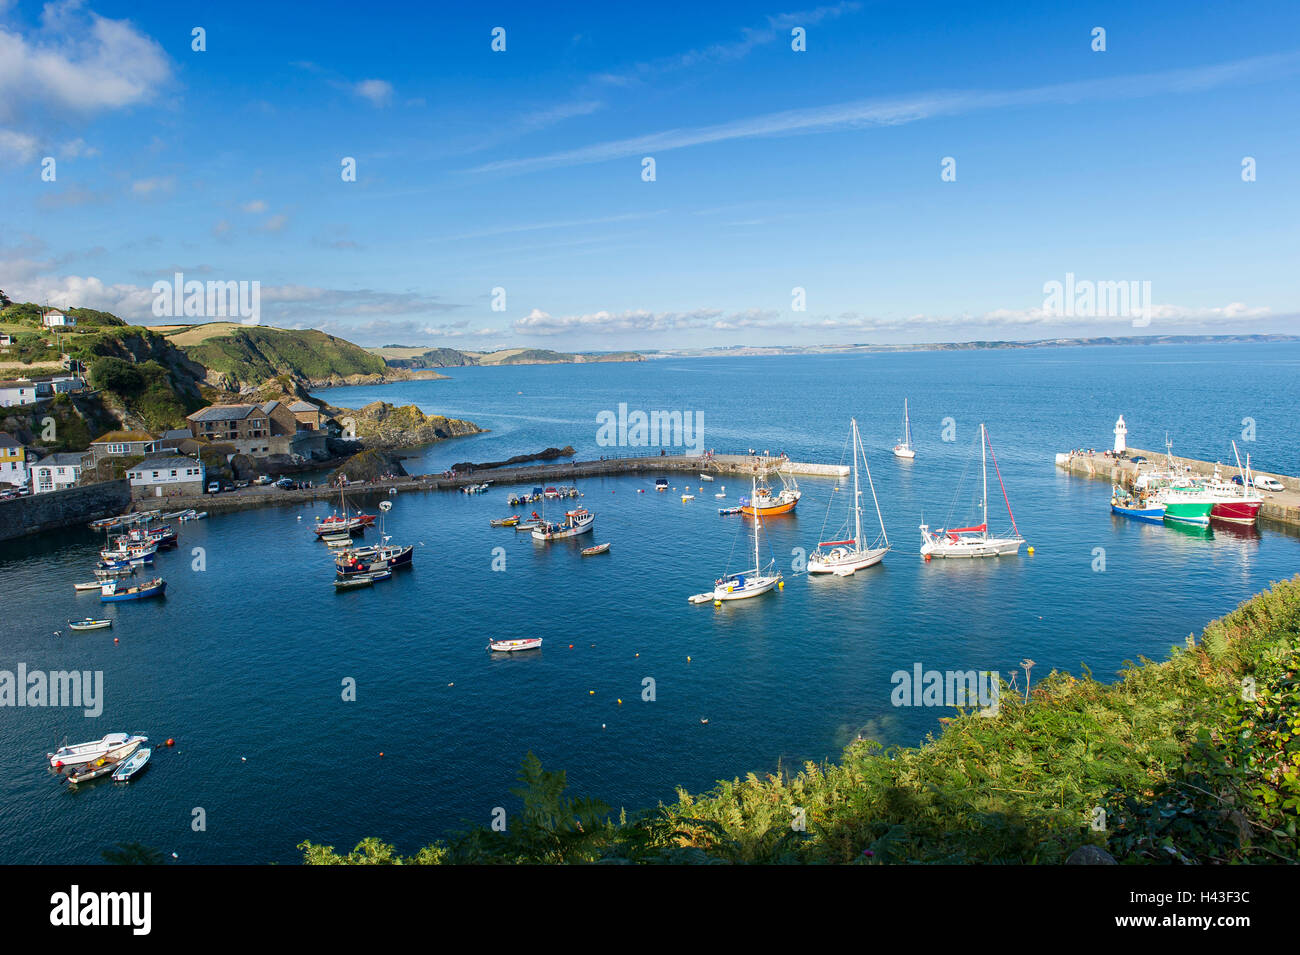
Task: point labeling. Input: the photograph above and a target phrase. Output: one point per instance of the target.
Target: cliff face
(382, 425)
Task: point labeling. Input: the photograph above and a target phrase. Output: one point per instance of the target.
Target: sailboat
(975, 541)
(846, 556)
(764, 503)
(745, 583)
(904, 448)
(344, 523)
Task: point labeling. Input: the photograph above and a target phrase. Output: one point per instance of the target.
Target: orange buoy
(115, 639)
(170, 741)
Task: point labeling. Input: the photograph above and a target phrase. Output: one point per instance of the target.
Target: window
(173, 472)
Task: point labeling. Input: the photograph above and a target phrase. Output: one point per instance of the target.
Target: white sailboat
(843, 557)
(974, 541)
(904, 448)
(745, 583)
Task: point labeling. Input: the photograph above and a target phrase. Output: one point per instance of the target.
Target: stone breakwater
(53, 510)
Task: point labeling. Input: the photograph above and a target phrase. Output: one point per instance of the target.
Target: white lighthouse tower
(1121, 436)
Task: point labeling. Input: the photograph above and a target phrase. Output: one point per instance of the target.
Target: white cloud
(80, 62)
(254, 205)
(908, 109)
(538, 322)
(147, 187)
(19, 147)
(378, 92)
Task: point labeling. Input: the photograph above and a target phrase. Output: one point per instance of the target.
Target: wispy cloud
(376, 92)
(898, 111)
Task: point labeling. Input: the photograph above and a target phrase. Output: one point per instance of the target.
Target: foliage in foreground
(1192, 760)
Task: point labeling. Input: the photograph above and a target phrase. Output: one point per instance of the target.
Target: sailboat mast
(857, 495)
(753, 492)
(984, 466)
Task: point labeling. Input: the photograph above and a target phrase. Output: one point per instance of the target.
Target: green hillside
(238, 355)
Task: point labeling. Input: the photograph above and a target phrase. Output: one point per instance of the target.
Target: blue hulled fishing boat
(114, 591)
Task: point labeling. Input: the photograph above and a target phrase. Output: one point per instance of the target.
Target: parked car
(284, 484)
(262, 479)
(1268, 483)
(214, 487)
(1138, 460)
(227, 486)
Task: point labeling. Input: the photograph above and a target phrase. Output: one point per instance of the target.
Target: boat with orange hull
(765, 503)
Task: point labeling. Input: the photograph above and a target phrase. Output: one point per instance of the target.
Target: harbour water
(244, 661)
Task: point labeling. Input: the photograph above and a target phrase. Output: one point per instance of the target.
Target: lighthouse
(1121, 435)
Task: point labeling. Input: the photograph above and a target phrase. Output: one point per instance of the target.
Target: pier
(720, 465)
(1282, 507)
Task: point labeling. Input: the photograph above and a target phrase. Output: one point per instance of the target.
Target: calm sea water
(243, 662)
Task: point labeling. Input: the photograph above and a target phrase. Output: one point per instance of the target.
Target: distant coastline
(723, 351)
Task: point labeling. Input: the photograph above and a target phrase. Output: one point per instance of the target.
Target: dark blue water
(243, 662)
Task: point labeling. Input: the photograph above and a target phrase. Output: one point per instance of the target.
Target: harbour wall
(73, 507)
(1282, 507)
(551, 473)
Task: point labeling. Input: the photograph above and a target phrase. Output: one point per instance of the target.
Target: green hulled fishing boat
(1185, 505)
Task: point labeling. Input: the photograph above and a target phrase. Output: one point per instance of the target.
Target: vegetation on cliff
(1195, 759)
(238, 356)
(370, 465)
(415, 357)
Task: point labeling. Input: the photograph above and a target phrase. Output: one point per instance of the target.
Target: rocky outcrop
(550, 454)
(371, 465)
(385, 426)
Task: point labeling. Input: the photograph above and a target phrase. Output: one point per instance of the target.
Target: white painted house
(53, 318)
(166, 476)
(56, 472)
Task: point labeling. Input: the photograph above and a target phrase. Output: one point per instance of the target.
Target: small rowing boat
(593, 551)
(132, 766)
(510, 521)
(88, 585)
(90, 623)
(510, 646)
(354, 582)
(687, 497)
(724, 511)
(705, 477)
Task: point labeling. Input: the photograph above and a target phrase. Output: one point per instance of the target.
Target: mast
(984, 466)
(857, 495)
(874, 499)
(907, 427)
(753, 482)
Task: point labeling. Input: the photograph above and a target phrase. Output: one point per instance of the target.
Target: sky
(666, 175)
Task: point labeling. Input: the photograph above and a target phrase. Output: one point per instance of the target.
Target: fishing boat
(1234, 503)
(113, 746)
(116, 563)
(129, 552)
(101, 766)
(132, 766)
(1136, 506)
(379, 557)
(765, 503)
(528, 525)
(593, 551)
(88, 585)
(104, 572)
(90, 623)
(724, 511)
(844, 557)
(661, 484)
(578, 521)
(512, 646)
(353, 582)
(904, 448)
(751, 582)
(1186, 504)
(510, 521)
(344, 522)
(975, 541)
(113, 591)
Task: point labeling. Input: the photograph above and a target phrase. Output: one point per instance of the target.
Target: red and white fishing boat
(1234, 503)
(347, 522)
(579, 521)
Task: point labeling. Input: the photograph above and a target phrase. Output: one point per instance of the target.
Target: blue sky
(774, 169)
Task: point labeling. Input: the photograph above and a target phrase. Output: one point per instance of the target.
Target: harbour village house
(122, 444)
(55, 472)
(28, 391)
(265, 429)
(53, 318)
(13, 461)
(168, 475)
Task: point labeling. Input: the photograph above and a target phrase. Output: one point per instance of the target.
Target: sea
(296, 713)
